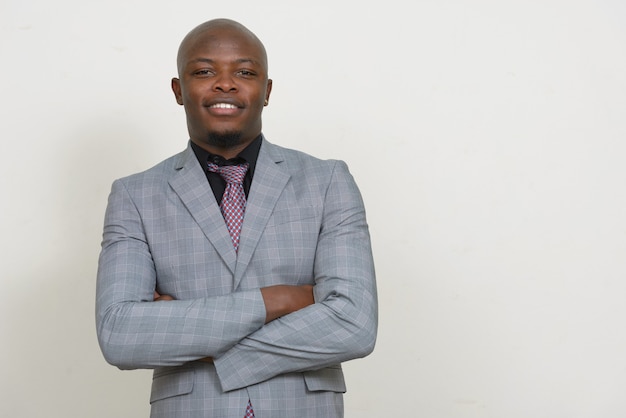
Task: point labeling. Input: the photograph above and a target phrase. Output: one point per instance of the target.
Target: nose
(224, 82)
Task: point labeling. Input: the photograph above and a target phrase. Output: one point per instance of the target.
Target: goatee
(225, 139)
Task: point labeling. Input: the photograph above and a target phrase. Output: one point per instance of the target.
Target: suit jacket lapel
(190, 184)
(267, 186)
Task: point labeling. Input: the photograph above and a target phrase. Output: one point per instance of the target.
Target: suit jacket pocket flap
(166, 385)
(327, 379)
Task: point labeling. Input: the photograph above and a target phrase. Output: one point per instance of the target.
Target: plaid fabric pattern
(234, 200)
(160, 226)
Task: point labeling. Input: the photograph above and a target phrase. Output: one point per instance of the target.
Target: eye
(246, 73)
(203, 72)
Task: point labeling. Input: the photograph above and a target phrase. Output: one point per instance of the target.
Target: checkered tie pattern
(249, 411)
(234, 200)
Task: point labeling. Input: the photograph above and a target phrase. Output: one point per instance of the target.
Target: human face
(223, 86)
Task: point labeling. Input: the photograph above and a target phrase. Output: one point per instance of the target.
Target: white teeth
(224, 106)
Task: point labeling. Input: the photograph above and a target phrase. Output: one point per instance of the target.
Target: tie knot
(230, 173)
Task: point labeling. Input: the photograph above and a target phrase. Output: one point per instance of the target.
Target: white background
(488, 141)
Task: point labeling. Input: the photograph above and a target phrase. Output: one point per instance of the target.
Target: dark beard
(224, 140)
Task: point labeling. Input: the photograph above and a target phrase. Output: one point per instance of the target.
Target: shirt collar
(248, 154)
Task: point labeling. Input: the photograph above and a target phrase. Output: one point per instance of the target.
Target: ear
(177, 90)
(268, 91)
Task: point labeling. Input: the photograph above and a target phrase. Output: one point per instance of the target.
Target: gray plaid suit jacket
(304, 224)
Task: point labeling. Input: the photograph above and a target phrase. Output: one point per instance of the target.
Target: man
(237, 317)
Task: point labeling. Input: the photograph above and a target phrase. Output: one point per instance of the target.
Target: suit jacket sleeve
(135, 332)
(342, 324)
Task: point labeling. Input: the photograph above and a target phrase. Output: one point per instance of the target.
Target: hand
(283, 299)
(158, 297)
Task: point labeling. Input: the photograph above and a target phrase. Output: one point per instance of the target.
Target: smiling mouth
(222, 106)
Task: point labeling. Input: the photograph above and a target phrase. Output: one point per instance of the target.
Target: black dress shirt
(218, 184)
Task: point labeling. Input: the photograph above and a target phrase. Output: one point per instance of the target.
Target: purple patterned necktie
(233, 208)
(249, 411)
(234, 200)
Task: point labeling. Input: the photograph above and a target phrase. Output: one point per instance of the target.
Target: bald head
(213, 29)
(223, 84)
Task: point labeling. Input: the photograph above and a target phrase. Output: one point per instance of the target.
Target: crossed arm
(279, 300)
(279, 329)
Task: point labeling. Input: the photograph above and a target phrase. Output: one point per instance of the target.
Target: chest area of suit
(192, 252)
